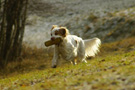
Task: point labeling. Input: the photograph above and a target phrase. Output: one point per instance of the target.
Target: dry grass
(124, 45)
(113, 68)
(38, 59)
(32, 58)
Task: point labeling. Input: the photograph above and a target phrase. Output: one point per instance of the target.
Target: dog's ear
(63, 32)
(53, 26)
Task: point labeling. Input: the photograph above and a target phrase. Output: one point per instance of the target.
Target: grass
(112, 69)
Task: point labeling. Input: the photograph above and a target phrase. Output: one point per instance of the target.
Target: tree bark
(12, 30)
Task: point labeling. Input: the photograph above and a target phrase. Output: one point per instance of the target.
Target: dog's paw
(54, 66)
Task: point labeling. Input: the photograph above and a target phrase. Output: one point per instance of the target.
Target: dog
(72, 47)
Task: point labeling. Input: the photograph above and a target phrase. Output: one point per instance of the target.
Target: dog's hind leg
(84, 60)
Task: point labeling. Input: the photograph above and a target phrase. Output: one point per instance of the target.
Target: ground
(113, 68)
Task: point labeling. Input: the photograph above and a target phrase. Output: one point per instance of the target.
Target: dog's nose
(52, 38)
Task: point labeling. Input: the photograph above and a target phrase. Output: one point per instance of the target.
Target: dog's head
(58, 32)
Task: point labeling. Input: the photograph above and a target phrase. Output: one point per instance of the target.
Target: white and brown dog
(72, 48)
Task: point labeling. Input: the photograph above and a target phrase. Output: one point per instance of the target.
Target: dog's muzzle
(52, 38)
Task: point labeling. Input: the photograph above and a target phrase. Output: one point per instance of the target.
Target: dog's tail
(92, 47)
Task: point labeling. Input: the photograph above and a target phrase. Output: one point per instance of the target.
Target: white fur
(74, 48)
(92, 46)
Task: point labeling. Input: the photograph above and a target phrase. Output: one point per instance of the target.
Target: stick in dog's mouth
(53, 42)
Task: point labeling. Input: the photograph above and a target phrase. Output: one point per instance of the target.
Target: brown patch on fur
(57, 33)
(76, 41)
(54, 26)
(63, 31)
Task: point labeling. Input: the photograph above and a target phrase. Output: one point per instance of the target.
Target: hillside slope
(112, 69)
(76, 15)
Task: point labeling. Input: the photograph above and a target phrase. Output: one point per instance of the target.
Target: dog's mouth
(56, 40)
(52, 38)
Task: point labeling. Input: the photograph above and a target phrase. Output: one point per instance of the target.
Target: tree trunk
(12, 29)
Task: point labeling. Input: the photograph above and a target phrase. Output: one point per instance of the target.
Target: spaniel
(72, 47)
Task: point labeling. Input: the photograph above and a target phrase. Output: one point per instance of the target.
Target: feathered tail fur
(92, 47)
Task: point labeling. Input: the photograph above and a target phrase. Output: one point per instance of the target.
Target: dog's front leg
(74, 61)
(55, 57)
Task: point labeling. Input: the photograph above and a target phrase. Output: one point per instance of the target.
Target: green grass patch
(112, 69)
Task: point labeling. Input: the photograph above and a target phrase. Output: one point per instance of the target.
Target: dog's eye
(56, 33)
